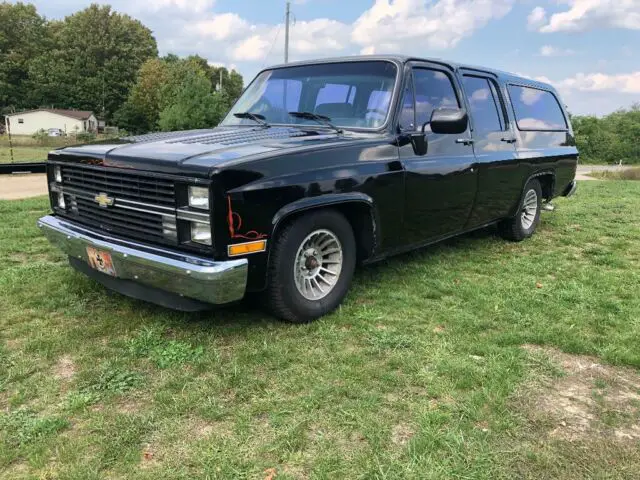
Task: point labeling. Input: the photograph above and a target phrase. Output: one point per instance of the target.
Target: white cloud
(600, 82)
(319, 36)
(480, 95)
(537, 18)
(188, 5)
(252, 48)
(404, 24)
(223, 26)
(625, 83)
(551, 51)
(588, 14)
(530, 96)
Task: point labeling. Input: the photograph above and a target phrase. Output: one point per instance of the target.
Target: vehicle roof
(401, 59)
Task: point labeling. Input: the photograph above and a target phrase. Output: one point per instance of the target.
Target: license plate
(101, 261)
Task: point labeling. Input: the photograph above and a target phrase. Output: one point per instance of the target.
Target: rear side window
(536, 109)
(483, 104)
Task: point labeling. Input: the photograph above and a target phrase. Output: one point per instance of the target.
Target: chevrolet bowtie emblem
(104, 200)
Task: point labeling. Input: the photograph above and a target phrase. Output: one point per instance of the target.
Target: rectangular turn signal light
(246, 248)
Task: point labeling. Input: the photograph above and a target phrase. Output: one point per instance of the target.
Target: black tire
(282, 295)
(524, 224)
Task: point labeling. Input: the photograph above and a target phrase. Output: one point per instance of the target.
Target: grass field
(475, 359)
(23, 154)
(28, 149)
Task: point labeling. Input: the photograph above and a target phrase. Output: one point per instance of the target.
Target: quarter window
(483, 104)
(536, 109)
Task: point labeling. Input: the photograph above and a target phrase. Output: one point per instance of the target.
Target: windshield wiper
(256, 117)
(315, 117)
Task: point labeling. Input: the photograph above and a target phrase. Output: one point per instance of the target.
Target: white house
(69, 121)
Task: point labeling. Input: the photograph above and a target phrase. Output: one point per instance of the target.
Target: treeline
(611, 139)
(106, 62)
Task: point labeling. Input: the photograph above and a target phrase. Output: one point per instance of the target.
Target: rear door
(441, 185)
(499, 171)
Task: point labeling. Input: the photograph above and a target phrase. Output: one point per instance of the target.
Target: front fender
(320, 201)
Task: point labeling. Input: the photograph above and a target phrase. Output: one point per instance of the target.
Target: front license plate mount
(101, 261)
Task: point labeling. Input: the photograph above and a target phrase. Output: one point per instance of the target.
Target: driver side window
(434, 89)
(425, 91)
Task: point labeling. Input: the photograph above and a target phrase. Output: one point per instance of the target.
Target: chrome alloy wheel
(529, 209)
(318, 264)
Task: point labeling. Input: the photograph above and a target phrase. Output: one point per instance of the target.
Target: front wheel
(311, 266)
(524, 224)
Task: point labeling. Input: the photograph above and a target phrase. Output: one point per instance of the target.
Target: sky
(589, 49)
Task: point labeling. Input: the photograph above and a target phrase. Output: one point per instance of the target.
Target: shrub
(85, 136)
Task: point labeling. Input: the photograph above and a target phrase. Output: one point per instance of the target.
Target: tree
(95, 59)
(141, 111)
(173, 93)
(614, 138)
(23, 35)
(189, 100)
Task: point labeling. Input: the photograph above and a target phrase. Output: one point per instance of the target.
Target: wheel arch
(547, 179)
(358, 208)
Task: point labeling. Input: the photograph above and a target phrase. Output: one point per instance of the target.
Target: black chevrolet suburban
(318, 167)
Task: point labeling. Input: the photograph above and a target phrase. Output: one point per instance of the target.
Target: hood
(198, 152)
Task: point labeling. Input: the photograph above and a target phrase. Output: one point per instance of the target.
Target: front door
(499, 170)
(441, 185)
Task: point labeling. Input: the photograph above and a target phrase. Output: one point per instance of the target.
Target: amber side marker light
(246, 248)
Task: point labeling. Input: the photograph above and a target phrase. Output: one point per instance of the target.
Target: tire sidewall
(535, 186)
(300, 306)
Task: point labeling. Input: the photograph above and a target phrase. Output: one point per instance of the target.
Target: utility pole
(286, 34)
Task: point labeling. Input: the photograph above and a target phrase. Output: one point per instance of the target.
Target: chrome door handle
(465, 141)
(508, 140)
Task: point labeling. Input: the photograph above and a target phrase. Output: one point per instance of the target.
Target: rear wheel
(311, 266)
(524, 224)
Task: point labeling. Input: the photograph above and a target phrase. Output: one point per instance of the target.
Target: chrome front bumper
(185, 275)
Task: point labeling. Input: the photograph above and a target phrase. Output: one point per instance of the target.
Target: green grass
(27, 149)
(23, 154)
(420, 374)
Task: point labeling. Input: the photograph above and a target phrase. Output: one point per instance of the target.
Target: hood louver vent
(234, 137)
(160, 136)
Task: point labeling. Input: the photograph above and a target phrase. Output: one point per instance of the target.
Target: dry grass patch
(401, 434)
(632, 173)
(65, 368)
(589, 401)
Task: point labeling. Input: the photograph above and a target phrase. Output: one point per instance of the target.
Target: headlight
(61, 202)
(57, 174)
(199, 197)
(201, 233)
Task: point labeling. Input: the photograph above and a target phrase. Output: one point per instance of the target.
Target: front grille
(130, 186)
(144, 207)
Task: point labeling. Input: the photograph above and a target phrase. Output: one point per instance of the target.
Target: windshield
(350, 94)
